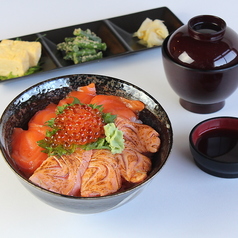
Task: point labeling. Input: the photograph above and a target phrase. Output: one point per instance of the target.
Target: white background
(182, 201)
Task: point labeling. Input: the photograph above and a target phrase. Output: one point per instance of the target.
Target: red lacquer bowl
(206, 42)
(214, 146)
(202, 72)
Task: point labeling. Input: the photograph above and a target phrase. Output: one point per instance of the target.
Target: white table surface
(182, 200)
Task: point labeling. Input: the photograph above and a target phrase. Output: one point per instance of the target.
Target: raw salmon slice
(118, 106)
(37, 122)
(26, 152)
(84, 94)
(43, 115)
(134, 105)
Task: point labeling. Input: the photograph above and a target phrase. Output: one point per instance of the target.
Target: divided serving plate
(116, 32)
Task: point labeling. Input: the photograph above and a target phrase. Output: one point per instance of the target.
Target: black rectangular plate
(116, 32)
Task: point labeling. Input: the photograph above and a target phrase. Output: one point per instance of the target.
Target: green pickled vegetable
(88, 33)
(84, 42)
(78, 53)
(85, 58)
(84, 46)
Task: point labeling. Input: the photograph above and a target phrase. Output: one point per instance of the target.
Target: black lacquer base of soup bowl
(37, 97)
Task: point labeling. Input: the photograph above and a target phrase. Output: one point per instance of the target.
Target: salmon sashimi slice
(102, 176)
(38, 120)
(42, 116)
(134, 105)
(140, 137)
(63, 174)
(133, 165)
(26, 152)
(118, 106)
(84, 94)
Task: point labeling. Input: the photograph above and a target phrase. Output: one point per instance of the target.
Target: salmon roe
(77, 125)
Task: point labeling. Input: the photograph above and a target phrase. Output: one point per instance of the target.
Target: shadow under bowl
(214, 146)
(37, 97)
(200, 91)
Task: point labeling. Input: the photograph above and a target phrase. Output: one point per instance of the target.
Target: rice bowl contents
(99, 167)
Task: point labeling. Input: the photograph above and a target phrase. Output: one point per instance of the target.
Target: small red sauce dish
(214, 146)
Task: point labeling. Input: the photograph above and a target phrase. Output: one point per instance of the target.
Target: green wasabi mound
(114, 137)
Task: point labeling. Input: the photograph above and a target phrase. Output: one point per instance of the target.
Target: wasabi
(114, 137)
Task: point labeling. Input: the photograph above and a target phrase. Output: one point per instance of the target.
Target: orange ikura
(77, 124)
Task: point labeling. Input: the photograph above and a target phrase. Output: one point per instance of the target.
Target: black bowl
(37, 97)
(217, 153)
